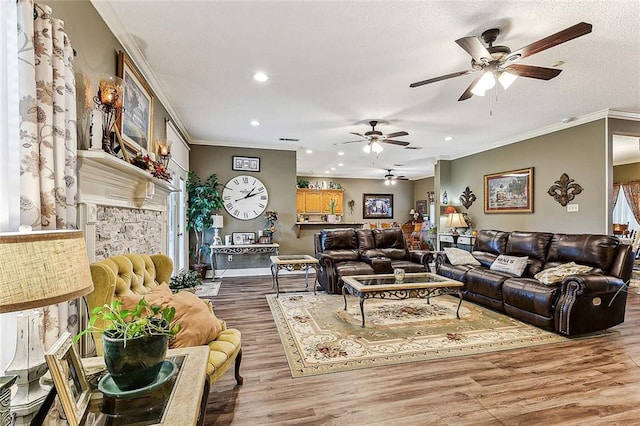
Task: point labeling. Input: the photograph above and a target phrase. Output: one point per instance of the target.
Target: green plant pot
(200, 268)
(138, 363)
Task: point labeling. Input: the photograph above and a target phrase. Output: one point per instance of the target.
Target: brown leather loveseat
(576, 304)
(347, 251)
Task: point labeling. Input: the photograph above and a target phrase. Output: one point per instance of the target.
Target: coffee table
(293, 262)
(422, 285)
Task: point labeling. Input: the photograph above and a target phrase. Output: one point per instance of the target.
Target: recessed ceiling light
(309, 151)
(448, 138)
(260, 76)
(340, 164)
(333, 168)
(255, 123)
(340, 153)
(326, 171)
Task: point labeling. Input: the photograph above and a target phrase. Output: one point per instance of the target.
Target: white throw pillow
(460, 257)
(511, 264)
(557, 274)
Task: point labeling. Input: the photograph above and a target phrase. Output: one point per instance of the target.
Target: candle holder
(109, 102)
(164, 153)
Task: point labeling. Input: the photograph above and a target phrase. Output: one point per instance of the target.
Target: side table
(294, 262)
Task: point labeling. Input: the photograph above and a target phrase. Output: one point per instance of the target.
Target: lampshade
(449, 210)
(42, 268)
(412, 211)
(506, 79)
(216, 221)
(456, 220)
(486, 82)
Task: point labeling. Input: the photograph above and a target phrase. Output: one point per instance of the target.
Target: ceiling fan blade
(396, 135)
(467, 93)
(531, 71)
(442, 77)
(553, 40)
(391, 141)
(475, 48)
(343, 143)
(358, 134)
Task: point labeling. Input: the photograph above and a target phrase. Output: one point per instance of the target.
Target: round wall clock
(245, 197)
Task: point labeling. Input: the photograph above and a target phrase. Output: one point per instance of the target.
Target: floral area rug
(320, 337)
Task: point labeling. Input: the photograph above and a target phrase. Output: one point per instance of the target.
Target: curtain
(632, 195)
(616, 191)
(48, 137)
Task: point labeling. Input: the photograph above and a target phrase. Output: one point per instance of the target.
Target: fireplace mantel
(106, 180)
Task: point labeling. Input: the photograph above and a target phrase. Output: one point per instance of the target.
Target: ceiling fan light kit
(499, 61)
(374, 138)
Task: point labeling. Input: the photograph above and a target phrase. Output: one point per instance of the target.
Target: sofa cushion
(195, 316)
(486, 282)
(529, 295)
(390, 242)
(408, 266)
(365, 240)
(593, 250)
(338, 239)
(353, 268)
(491, 241)
(458, 256)
(457, 273)
(534, 245)
(558, 273)
(512, 264)
(342, 255)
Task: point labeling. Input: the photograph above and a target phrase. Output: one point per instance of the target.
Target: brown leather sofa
(579, 304)
(347, 251)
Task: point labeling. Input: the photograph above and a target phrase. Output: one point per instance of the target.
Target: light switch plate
(571, 208)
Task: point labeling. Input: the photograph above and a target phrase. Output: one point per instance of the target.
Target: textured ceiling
(335, 65)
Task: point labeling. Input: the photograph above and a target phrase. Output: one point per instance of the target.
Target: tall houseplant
(205, 199)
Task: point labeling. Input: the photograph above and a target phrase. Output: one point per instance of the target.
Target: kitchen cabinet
(318, 201)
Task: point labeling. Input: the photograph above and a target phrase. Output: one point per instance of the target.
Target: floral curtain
(616, 191)
(48, 139)
(632, 194)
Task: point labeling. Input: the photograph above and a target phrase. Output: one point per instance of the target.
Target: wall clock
(245, 197)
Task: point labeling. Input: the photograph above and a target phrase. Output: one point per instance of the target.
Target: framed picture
(136, 121)
(243, 237)
(69, 379)
(246, 164)
(377, 206)
(421, 207)
(509, 192)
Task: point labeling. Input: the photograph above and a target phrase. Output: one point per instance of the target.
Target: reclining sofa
(347, 251)
(576, 304)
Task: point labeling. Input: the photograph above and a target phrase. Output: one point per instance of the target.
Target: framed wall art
(421, 207)
(246, 164)
(377, 206)
(69, 378)
(509, 192)
(136, 121)
(243, 237)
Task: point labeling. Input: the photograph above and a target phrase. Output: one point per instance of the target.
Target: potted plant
(134, 341)
(332, 209)
(272, 217)
(204, 199)
(187, 280)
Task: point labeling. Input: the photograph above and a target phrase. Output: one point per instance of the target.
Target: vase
(136, 363)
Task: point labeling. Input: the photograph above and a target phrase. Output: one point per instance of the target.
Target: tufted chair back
(125, 274)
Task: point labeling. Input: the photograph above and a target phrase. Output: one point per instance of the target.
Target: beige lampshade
(42, 268)
(456, 220)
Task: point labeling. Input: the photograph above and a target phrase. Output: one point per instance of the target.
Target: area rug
(208, 289)
(320, 337)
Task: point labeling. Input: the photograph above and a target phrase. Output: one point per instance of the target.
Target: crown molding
(113, 22)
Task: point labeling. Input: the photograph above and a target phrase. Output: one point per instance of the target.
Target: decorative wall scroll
(467, 198)
(564, 190)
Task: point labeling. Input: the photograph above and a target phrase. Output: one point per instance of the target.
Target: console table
(464, 242)
(250, 255)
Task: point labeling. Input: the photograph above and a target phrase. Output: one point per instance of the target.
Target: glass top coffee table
(293, 262)
(422, 285)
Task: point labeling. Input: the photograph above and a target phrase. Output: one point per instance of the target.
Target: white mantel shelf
(107, 180)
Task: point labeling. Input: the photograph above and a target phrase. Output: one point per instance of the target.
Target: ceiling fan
(374, 137)
(498, 62)
(390, 178)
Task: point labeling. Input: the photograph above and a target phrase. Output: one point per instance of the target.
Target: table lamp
(38, 269)
(217, 223)
(415, 214)
(456, 220)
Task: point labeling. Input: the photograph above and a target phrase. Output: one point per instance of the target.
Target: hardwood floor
(583, 382)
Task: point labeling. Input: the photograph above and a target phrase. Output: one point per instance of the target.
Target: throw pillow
(558, 273)
(511, 264)
(460, 257)
(199, 324)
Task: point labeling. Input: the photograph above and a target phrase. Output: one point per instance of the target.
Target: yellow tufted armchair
(137, 274)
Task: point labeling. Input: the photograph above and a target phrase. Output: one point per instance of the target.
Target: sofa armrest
(325, 260)
(423, 257)
(441, 259)
(591, 285)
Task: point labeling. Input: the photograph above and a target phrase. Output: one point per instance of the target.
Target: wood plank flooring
(582, 382)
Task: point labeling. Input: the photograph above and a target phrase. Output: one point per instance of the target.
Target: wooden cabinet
(318, 201)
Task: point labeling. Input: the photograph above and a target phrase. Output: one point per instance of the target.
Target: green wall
(578, 151)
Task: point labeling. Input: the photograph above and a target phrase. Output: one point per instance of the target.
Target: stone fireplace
(121, 208)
